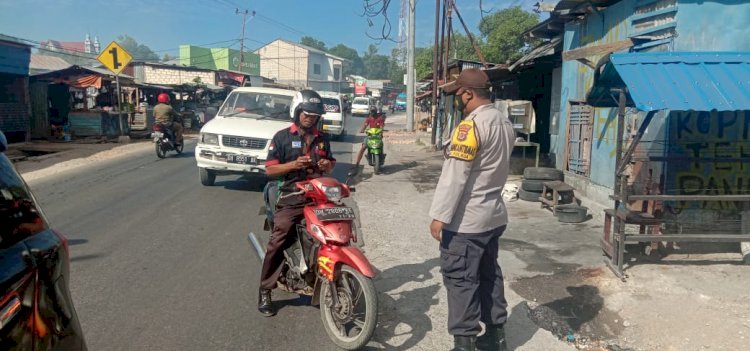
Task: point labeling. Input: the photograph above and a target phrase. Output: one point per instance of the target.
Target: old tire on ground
(542, 173)
(533, 185)
(208, 177)
(571, 213)
(531, 196)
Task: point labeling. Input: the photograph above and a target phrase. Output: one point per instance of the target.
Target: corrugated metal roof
(47, 63)
(700, 81)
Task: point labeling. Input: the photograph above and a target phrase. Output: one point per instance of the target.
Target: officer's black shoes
(265, 305)
(493, 339)
(464, 343)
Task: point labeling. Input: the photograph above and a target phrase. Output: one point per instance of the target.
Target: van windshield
(361, 101)
(247, 104)
(331, 105)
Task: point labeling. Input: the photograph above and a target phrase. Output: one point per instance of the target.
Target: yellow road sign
(114, 57)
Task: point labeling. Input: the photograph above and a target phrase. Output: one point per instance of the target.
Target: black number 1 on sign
(115, 62)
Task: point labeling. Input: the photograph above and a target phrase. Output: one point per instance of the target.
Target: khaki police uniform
(468, 198)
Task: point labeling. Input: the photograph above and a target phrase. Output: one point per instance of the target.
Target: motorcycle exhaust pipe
(259, 250)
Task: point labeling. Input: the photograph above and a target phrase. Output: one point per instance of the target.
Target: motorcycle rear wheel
(160, 150)
(349, 328)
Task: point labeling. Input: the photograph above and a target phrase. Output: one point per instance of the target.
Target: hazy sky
(163, 25)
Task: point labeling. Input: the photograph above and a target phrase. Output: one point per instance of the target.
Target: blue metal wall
(674, 25)
(14, 59)
(607, 26)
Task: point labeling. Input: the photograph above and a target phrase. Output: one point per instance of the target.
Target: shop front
(82, 102)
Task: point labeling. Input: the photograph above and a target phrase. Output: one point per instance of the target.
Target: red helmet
(163, 98)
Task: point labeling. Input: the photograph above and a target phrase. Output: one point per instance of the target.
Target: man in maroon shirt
(374, 120)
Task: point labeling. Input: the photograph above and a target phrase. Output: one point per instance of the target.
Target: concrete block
(123, 139)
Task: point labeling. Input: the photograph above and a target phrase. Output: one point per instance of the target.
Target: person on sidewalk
(297, 153)
(469, 215)
(374, 120)
(165, 115)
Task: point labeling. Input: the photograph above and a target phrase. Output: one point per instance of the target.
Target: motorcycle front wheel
(160, 150)
(352, 322)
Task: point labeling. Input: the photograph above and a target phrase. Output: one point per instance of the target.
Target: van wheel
(208, 177)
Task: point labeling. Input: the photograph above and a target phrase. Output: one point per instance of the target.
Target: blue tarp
(680, 81)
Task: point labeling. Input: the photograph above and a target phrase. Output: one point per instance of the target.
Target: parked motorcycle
(164, 140)
(374, 143)
(323, 264)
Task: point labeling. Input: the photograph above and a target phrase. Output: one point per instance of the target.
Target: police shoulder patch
(465, 142)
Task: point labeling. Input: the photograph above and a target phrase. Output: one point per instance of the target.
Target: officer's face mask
(460, 102)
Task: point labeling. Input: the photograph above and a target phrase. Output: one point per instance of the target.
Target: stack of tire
(533, 182)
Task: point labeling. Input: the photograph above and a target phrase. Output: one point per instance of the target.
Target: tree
(168, 57)
(138, 51)
(396, 70)
(376, 66)
(423, 61)
(313, 43)
(355, 65)
(461, 48)
(502, 32)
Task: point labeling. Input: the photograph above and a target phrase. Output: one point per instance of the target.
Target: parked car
(236, 141)
(361, 106)
(36, 309)
(334, 120)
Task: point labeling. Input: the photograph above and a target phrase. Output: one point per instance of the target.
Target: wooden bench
(557, 188)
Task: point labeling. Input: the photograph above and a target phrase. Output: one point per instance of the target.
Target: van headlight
(208, 138)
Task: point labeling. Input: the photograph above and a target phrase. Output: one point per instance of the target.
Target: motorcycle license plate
(242, 159)
(335, 214)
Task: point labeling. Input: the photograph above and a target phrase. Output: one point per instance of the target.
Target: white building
(301, 66)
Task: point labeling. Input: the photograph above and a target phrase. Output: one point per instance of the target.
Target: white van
(334, 119)
(361, 106)
(237, 140)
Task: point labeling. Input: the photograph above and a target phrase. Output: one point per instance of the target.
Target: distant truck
(401, 102)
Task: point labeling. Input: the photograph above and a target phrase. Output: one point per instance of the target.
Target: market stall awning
(682, 81)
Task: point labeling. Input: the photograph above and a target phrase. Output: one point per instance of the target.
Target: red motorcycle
(323, 264)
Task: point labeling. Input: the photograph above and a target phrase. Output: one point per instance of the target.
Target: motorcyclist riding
(374, 120)
(297, 153)
(166, 116)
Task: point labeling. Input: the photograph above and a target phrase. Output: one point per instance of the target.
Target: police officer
(297, 153)
(469, 215)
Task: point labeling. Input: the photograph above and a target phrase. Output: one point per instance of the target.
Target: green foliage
(138, 51)
(313, 43)
(168, 57)
(502, 33)
(355, 66)
(376, 66)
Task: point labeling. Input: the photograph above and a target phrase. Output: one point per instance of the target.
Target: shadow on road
(72, 242)
(403, 315)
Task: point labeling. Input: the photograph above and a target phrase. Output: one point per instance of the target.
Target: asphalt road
(160, 262)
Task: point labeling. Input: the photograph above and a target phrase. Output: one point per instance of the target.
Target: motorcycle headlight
(333, 193)
(208, 138)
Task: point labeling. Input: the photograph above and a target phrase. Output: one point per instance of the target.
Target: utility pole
(242, 41)
(411, 80)
(435, 58)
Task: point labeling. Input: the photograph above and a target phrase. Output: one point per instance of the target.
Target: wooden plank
(735, 198)
(596, 50)
(729, 238)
